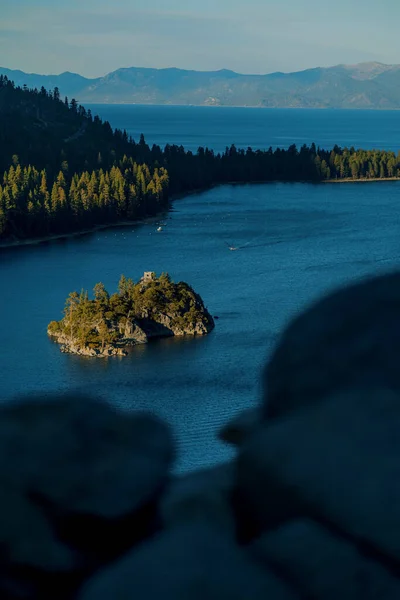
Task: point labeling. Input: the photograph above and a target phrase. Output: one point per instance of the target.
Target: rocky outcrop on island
(152, 308)
(308, 508)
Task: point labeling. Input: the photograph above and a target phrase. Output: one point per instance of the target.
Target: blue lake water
(218, 127)
(296, 241)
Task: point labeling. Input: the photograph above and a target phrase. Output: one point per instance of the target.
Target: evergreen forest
(66, 170)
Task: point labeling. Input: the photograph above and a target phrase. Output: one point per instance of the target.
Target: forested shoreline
(35, 208)
(66, 171)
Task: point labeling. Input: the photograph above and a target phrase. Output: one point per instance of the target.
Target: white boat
(231, 247)
(159, 228)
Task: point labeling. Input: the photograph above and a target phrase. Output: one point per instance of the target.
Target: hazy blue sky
(93, 37)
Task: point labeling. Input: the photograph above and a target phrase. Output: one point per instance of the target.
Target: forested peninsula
(66, 170)
(106, 325)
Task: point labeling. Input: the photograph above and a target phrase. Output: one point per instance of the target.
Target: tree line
(66, 170)
(32, 205)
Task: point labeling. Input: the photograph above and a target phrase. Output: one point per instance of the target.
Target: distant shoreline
(361, 180)
(257, 106)
(274, 90)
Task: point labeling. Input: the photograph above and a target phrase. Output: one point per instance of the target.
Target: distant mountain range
(366, 85)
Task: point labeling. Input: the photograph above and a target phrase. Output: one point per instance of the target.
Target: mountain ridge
(366, 85)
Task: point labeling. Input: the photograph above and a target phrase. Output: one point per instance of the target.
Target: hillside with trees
(106, 325)
(66, 170)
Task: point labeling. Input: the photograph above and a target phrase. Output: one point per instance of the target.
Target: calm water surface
(296, 241)
(218, 127)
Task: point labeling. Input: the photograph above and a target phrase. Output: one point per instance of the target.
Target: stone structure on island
(148, 276)
(308, 508)
(152, 308)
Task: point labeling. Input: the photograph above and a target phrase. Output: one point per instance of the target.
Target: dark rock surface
(323, 565)
(202, 496)
(190, 562)
(79, 481)
(349, 338)
(338, 459)
(66, 450)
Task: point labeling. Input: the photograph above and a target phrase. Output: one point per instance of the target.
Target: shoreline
(360, 180)
(258, 106)
(154, 218)
(61, 236)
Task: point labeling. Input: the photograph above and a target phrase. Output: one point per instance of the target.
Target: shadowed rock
(80, 472)
(30, 554)
(337, 460)
(191, 562)
(26, 537)
(349, 338)
(323, 565)
(202, 496)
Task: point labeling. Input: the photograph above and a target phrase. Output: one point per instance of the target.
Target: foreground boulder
(32, 559)
(350, 338)
(191, 562)
(323, 566)
(337, 460)
(80, 482)
(202, 496)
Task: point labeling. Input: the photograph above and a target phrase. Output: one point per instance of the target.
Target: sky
(94, 37)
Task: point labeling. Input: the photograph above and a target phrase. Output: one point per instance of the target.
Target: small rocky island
(152, 308)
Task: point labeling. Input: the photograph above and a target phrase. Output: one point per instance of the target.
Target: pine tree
(100, 294)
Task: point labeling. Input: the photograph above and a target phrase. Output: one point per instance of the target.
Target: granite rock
(97, 474)
(190, 562)
(203, 495)
(337, 460)
(323, 565)
(349, 338)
